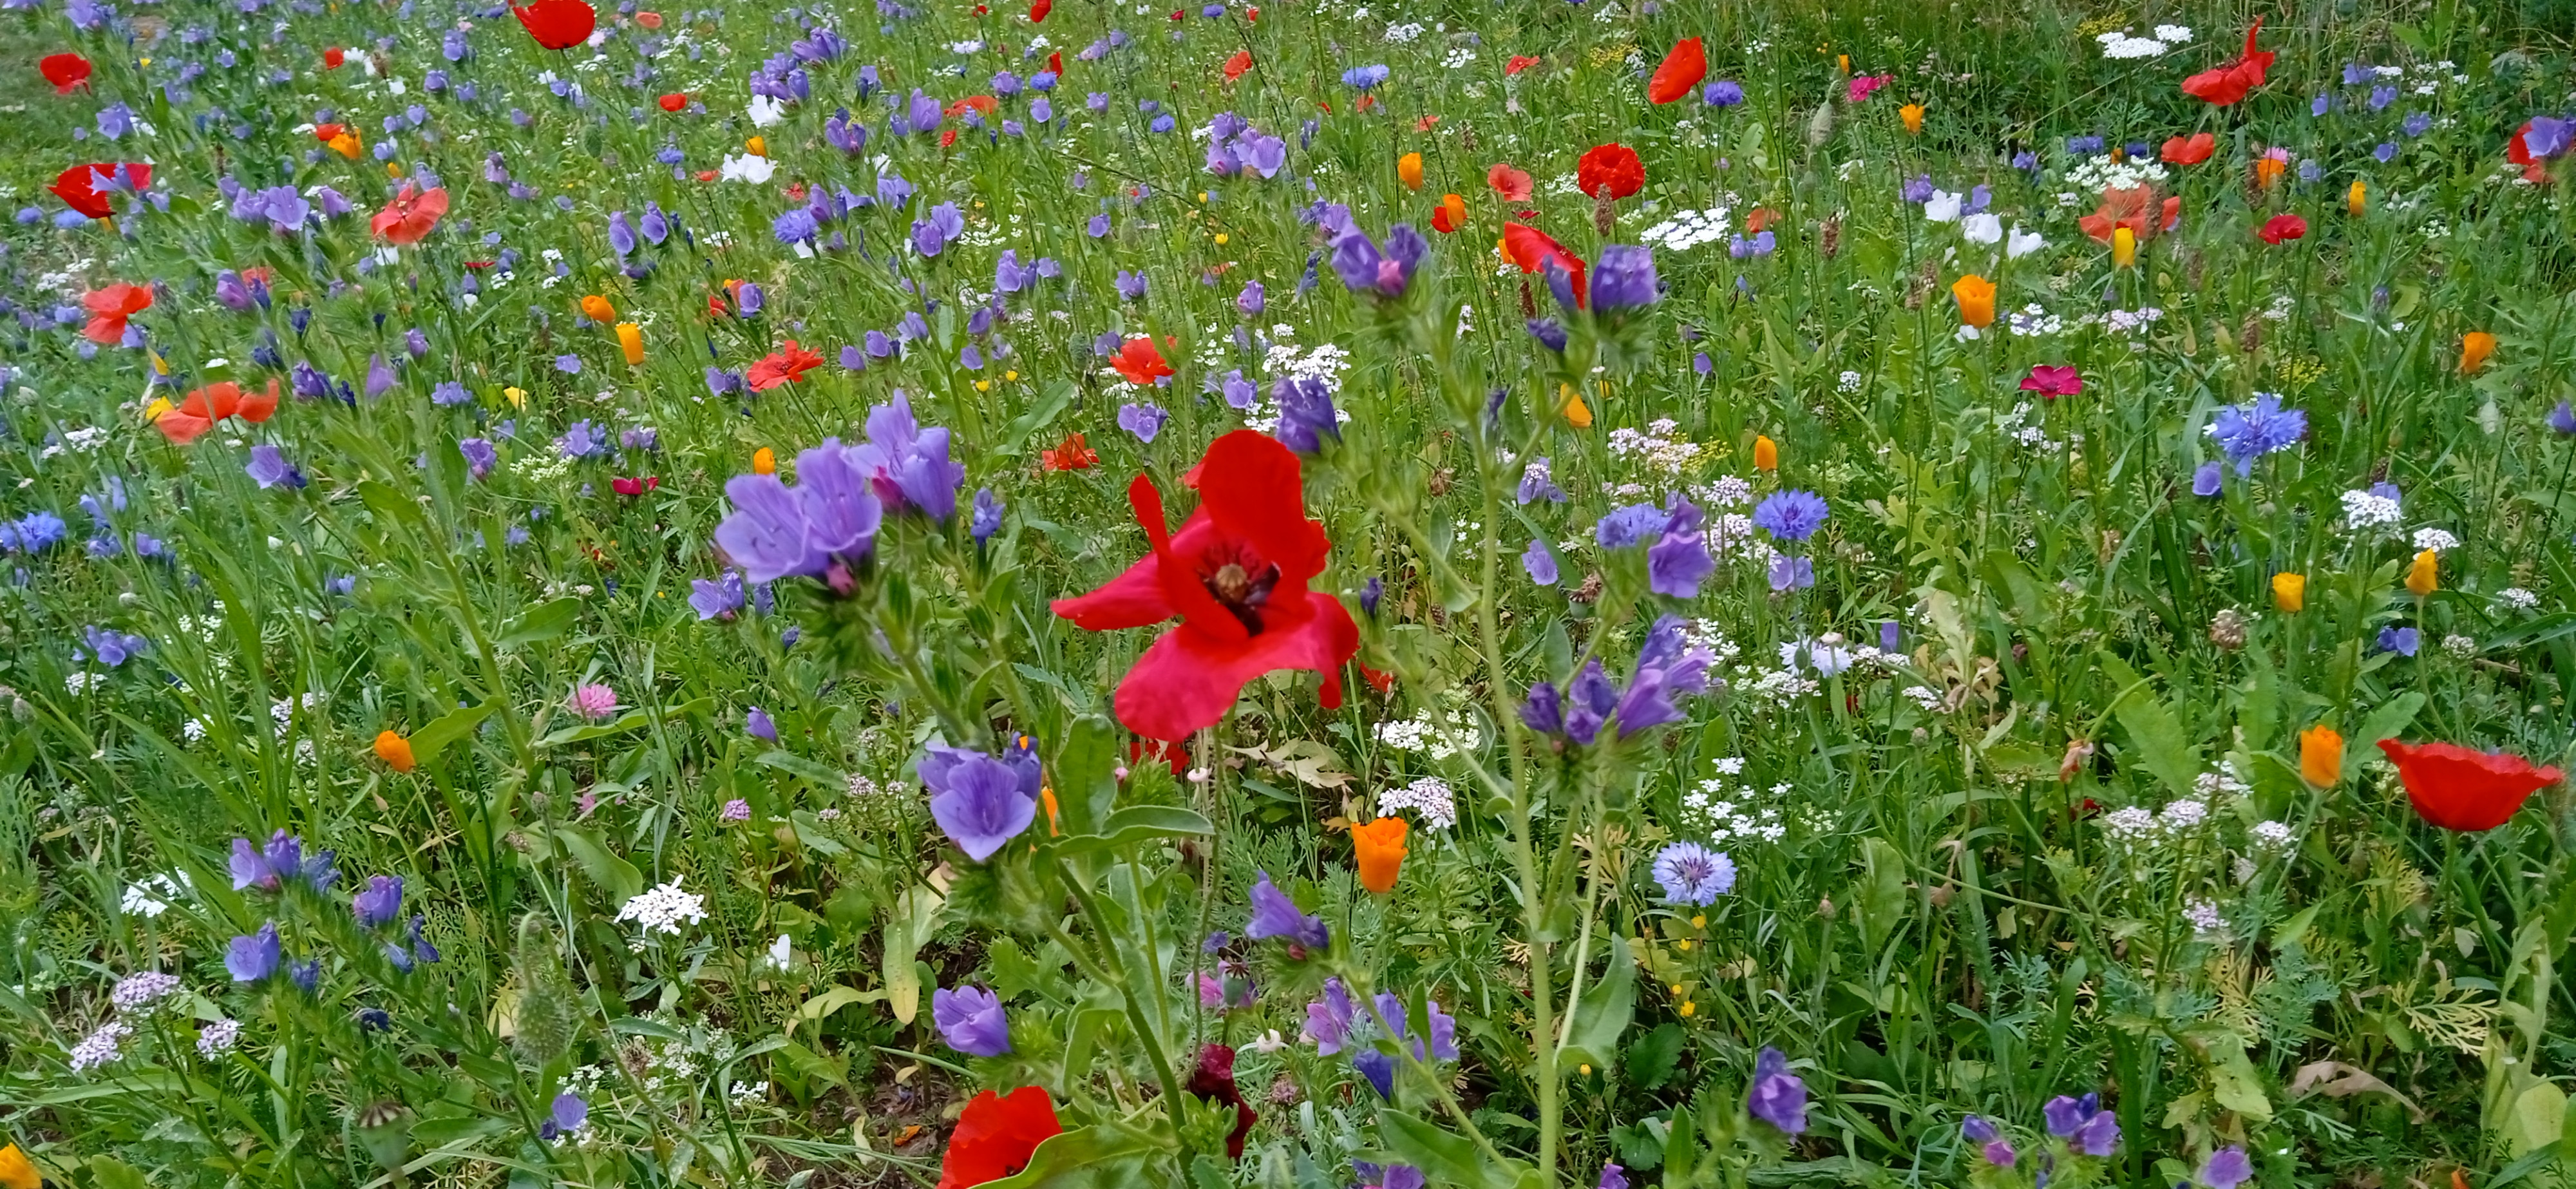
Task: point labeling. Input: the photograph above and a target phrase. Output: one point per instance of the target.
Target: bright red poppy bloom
(65, 71)
(996, 1136)
(649, 19)
(1038, 11)
(2190, 151)
(110, 307)
(212, 403)
(673, 102)
(1236, 65)
(1519, 63)
(2282, 228)
(1378, 680)
(334, 57)
(634, 486)
(2459, 789)
(1680, 73)
(1236, 576)
(410, 216)
(2136, 209)
(980, 103)
(558, 24)
(1611, 165)
(2052, 380)
(1532, 249)
(2231, 82)
(78, 187)
(326, 133)
(782, 367)
(1213, 1081)
(1140, 362)
(1055, 63)
(1072, 455)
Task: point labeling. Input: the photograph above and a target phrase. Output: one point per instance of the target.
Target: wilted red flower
(2280, 228)
(1236, 576)
(1519, 63)
(2229, 83)
(2052, 380)
(1140, 362)
(1213, 1081)
(1614, 166)
(65, 71)
(410, 216)
(110, 307)
(1680, 73)
(558, 24)
(675, 101)
(782, 367)
(1072, 455)
(1236, 65)
(1532, 249)
(212, 403)
(2459, 789)
(2190, 150)
(2135, 208)
(996, 1136)
(78, 186)
(1511, 183)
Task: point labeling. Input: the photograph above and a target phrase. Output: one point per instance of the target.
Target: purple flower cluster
(1236, 148)
(1364, 268)
(1668, 666)
(1275, 915)
(982, 801)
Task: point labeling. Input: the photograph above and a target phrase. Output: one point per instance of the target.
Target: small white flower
(2022, 243)
(1944, 207)
(663, 909)
(781, 953)
(2435, 540)
(749, 167)
(1982, 228)
(767, 112)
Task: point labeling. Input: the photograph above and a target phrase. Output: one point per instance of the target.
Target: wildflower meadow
(1507, 594)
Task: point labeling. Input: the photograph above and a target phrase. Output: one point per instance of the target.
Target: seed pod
(547, 1017)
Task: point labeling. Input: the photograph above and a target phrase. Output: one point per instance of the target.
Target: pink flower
(1862, 85)
(2051, 380)
(737, 810)
(594, 702)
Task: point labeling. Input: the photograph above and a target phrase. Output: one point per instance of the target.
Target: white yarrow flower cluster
(138, 992)
(218, 1038)
(663, 909)
(1429, 797)
(2435, 539)
(1687, 229)
(2365, 510)
(1438, 738)
(2206, 921)
(101, 1046)
(2518, 599)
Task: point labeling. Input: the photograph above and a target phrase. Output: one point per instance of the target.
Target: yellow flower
(1220, 239)
(1766, 454)
(393, 169)
(2357, 199)
(2321, 756)
(1577, 414)
(764, 461)
(630, 338)
(153, 412)
(2124, 247)
(346, 144)
(1912, 114)
(2424, 576)
(983, 385)
(518, 396)
(758, 145)
(1012, 374)
(16, 1171)
(1409, 168)
(1689, 1009)
(2290, 592)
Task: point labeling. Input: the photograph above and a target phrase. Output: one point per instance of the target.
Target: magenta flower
(594, 701)
(2052, 380)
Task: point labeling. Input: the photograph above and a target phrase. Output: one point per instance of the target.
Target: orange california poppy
(1450, 215)
(395, 751)
(1379, 848)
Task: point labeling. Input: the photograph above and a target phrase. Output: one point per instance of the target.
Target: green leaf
(624, 722)
(1653, 1056)
(1085, 785)
(1606, 1007)
(2154, 733)
(615, 876)
(1050, 405)
(447, 728)
(1137, 824)
(908, 927)
(1444, 1158)
(1110, 1155)
(2389, 721)
(545, 621)
(824, 779)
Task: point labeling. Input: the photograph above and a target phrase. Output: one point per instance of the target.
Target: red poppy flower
(1070, 456)
(996, 1136)
(1680, 73)
(675, 101)
(410, 216)
(1450, 215)
(2135, 208)
(782, 367)
(634, 486)
(2459, 789)
(2229, 83)
(1236, 65)
(1172, 754)
(1364, 103)
(2518, 151)
(1532, 249)
(334, 57)
(1179, 16)
(65, 71)
(212, 403)
(649, 20)
(1038, 11)
(1213, 1081)
(78, 186)
(2052, 380)
(1426, 123)
(1378, 680)
(1140, 362)
(948, 139)
(1611, 165)
(2191, 151)
(1511, 183)
(2280, 228)
(979, 103)
(110, 307)
(1236, 576)
(1055, 63)
(558, 24)
(326, 133)
(1519, 63)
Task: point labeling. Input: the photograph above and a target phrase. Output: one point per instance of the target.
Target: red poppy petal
(1250, 486)
(1187, 681)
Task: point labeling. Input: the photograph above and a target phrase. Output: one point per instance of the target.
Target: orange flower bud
(2475, 347)
(2357, 199)
(1379, 847)
(597, 309)
(346, 144)
(1766, 454)
(764, 461)
(2321, 756)
(2424, 577)
(2290, 592)
(394, 750)
(758, 146)
(1912, 114)
(1976, 296)
(1577, 414)
(1409, 168)
(630, 338)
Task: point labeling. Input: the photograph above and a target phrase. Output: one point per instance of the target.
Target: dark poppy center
(1241, 584)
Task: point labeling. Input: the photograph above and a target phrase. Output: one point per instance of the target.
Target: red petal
(1250, 486)
(1188, 681)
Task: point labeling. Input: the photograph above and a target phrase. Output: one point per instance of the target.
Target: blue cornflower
(1365, 78)
(1791, 515)
(2249, 431)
